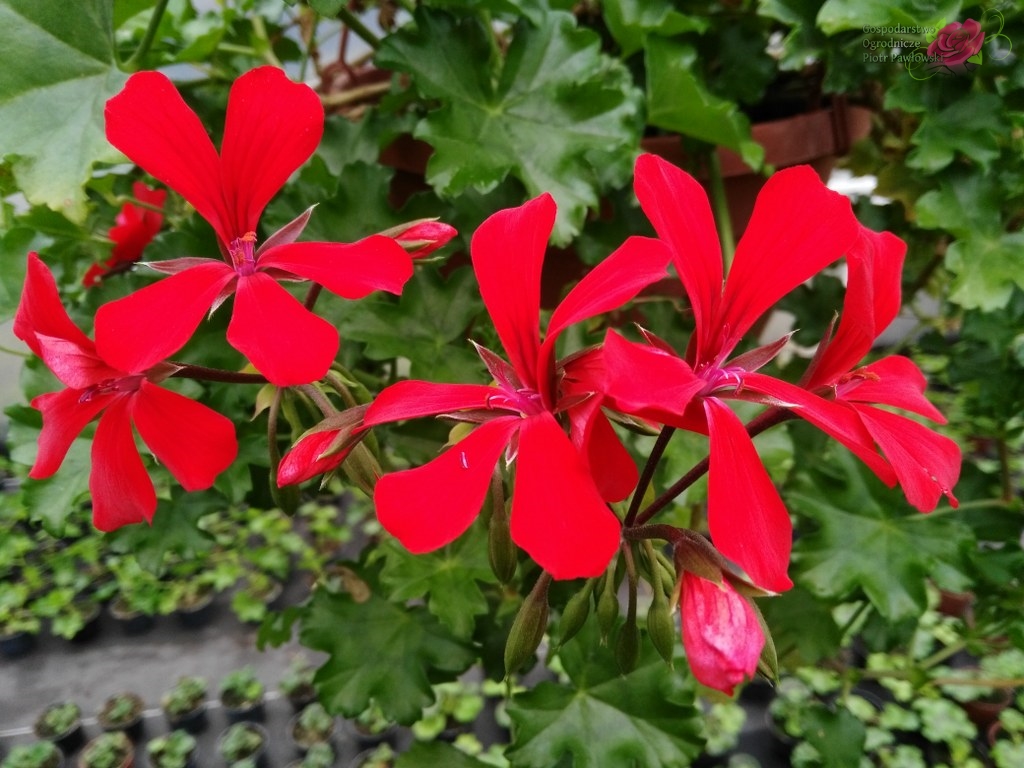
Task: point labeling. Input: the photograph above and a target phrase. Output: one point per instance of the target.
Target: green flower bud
(575, 614)
(528, 628)
(607, 606)
(501, 550)
(627, 646)
(661, 626)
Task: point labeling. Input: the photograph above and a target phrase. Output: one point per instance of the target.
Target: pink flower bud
(721, 634)
(424, 237)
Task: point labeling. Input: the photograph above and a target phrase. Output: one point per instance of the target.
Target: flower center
(243, 254)
(122, 385)
(524, 400)
(719, 379)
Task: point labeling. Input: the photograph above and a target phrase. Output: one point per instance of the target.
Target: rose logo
(956, 48)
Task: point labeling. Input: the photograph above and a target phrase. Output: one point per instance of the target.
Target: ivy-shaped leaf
(431, 314)
(58, 73)
(407, 647)
(678, 101)
(605, 718)
(969, 126)
(839, 15)
(447, 578)
(554, 111)
(869, 540)
(987, 270)
(631, 21)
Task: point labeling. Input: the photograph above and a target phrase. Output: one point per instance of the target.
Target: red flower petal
(135, 333)
(609, 463)
(350, 270)
(748, 522)
(721, 634)
(782, 247)
(508, 253)
(150, 122)
(283, 340)
(413, 399)
(136, 226)
(558, 516)
(75, 366)
(430, 506)
(121, 490)
(272, 127)
(835, 419)
(679, 209)
(64, 417)
(900, 383)
(194, 442)
(926, 463)
(40, 310)
(872, 302)
(633, 266)
(645, 381)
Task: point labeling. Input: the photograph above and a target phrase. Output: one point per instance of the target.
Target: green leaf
(432, 313)
(987, 270)
(175, 529)
(58, 74)
(447, 577)
(434, 754)
(801, 626)
(866, 541)
(839, 15)
(631, 21)
(970, 126)
(603, 718)
(678, 101)
(555, 112)
(965, 204)
(837, 735)
(53, 499)
(379, 652)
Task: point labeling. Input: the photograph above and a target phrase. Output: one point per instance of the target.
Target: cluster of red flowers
(547, 416)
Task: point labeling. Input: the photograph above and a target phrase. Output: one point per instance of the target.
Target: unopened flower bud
(721, 633)
(575, 614)
(607, 605)
(661, 626)
(501, 550)
(528, 628)
(422, 237)
(627, 645)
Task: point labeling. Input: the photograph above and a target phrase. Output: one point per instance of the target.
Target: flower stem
(266, 47)
(721, 204)
(313, 393)
(202, 373)
(648, 474)
(147, 39)
(353, 22)
(756, 426)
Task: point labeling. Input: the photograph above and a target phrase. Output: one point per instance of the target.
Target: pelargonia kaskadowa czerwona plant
(550, 425)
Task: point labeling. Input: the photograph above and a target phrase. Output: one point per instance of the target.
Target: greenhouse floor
(87, 672)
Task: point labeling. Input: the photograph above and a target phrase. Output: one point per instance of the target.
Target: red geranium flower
(193, 442)
(559, 515)
(748, 521)
(135, 227)
(925, 463)
(746, 517)
(273, 125)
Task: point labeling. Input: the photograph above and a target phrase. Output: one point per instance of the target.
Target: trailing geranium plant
(529, 474)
